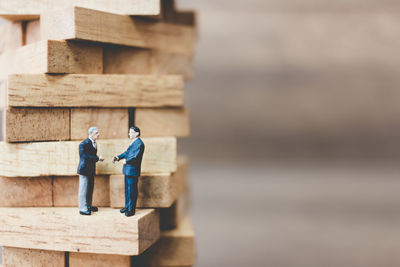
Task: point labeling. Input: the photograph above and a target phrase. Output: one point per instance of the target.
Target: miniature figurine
(86, 170)
(133, 156)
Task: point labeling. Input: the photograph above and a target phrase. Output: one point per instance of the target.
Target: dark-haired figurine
(133, 156)
(86, 170)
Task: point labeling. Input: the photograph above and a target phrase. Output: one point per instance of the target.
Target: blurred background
(295, 144)
(296, 133)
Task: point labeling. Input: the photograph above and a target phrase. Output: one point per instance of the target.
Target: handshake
(113, 160)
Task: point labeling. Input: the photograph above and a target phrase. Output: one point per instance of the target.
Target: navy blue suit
(87, 158)
(133, 156)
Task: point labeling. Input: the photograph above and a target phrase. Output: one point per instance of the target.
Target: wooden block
(11, 35)
(28, 10)
(175, 248)
(113, 123)
(65, 191)
(36, 124)
(32, 34)
(98, 260)
(81, 90)
(61, 158)
(52, 57)
(155, 191)
(171, 217)
(132, 60)
(64, 229)
(32, 257)
(163, 122)
(78, 23)
(26, 192)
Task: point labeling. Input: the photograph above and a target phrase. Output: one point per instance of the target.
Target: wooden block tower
(66, 66)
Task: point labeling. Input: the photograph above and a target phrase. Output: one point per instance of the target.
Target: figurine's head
(134, 132)
(94, 133)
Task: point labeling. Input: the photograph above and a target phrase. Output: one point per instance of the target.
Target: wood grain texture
(163, 122)
(27, 10)
(156, 191)
(91, 25)
(52, 57)
(133, 60)
(26, 192)
(175, 248)
(65, 191)
(64, 229)
(81, 90)
(112, 123)
(61, 158)
(98, 260)
(36, 124)
(11, 35)
(13, 257)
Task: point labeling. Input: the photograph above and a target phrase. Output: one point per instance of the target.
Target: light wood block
(28, 10)
(156, 191)
(98, 260)
(11, 35)
(113, 123)
(175, 248)
(132, 60)
(26, 192)
(32, 34)
(64, 229)
(78, 23)
(32, 257)
(52, 57)
(36, 124)
(163, 122)
(61, 158)
(81, 90)
(65, 191)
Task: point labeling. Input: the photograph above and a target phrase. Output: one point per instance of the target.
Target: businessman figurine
(86, 170)
(133, 156)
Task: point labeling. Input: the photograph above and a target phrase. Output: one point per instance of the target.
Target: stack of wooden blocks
(68, 65)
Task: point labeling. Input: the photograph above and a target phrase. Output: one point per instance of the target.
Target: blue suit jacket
(133, 156)
(87, 158)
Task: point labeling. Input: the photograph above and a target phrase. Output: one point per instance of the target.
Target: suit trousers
(85, 195)
(131, 192)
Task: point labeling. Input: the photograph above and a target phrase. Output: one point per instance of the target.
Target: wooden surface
(25, 10)
(113, 123)
(156, 191)
(65, 191)
(175, 248)
(36, 124)
(61, 158)
(52, 57)
(133, 60)
(26, 192)
(13, 257)
(98, 260)
(32, 34)
(11, 35)
(91, 25)
(163, 122)
(80, 90)
(64, 229)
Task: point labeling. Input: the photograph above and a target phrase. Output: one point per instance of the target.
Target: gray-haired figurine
(133, 156)
(86, 170)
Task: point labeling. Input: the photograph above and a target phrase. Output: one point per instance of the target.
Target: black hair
(136, 129)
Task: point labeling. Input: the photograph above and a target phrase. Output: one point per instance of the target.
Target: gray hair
(92, 129)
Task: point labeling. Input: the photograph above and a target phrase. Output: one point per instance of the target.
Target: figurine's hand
(115, 159)
(101, 158)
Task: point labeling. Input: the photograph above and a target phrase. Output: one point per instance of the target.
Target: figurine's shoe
(123, 210)
(85, 212)
(94, 209)
(129, 213)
